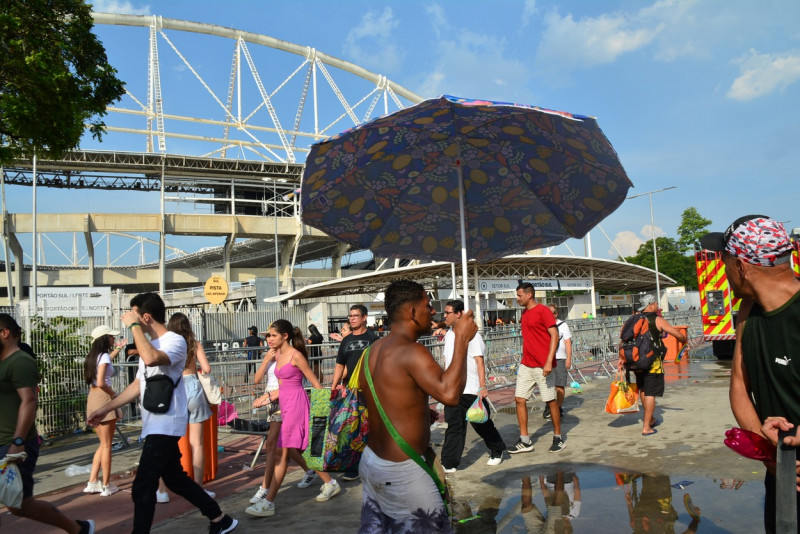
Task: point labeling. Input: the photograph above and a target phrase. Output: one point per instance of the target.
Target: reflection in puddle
(650, 506)
(596, 501)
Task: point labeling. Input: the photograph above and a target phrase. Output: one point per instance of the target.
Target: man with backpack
(650, 381)
(563, 362)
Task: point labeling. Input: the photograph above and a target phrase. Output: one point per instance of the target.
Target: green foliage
(671, 261)
(54, 78)
(693, 226)
(61, 352)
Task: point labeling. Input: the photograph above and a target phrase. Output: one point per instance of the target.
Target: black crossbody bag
(158, 391)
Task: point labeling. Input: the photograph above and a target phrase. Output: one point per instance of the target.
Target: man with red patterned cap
(765, 376)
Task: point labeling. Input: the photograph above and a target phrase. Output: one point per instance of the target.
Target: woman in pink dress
(288, 346)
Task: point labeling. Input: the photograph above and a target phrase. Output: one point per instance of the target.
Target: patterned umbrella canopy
(451, 179)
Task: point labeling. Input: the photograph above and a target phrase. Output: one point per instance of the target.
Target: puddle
(595, 500)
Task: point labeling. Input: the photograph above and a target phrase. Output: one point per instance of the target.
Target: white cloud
(371, 45)
(762, 74)
(475, 65)
(647, 231)
(665, 30)
(528, 11)
(587, 42)
(122, 7)
(438, 19)
(625, 243)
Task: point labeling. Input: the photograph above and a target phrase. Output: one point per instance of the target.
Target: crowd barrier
(594, 342)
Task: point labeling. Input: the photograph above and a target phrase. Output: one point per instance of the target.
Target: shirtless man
(396, 492)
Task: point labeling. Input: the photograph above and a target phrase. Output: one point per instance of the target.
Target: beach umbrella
(452, 179)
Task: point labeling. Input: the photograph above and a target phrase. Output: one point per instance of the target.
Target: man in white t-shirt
(164, 353)
(563, 362)
(455, 416)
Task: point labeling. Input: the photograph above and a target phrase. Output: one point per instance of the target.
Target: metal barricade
(63, 393)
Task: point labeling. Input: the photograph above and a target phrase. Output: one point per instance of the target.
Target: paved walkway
(695, 414)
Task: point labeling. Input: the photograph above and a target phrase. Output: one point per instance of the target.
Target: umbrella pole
(461, 211)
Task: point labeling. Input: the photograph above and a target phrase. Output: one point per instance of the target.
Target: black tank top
(771, 357)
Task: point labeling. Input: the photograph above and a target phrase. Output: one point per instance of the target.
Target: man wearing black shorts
(651, 383)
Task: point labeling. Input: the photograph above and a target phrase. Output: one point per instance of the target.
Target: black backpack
(637, 346)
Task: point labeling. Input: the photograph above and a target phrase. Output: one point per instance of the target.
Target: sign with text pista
(216, 290)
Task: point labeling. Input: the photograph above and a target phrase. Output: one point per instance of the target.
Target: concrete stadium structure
(239, 172)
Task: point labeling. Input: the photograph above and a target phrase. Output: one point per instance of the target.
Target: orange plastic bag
(623, 397)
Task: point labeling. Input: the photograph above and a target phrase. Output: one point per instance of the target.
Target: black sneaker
(87, 526)
(349, 477)
(520, 446)
(546, 413)
(558, 445)
(223, 526)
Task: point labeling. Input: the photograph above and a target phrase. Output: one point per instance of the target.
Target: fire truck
(718, 305)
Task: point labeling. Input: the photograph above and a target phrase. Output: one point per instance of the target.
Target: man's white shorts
(528, 377)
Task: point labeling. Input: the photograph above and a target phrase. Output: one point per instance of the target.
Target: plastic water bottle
(75, 470)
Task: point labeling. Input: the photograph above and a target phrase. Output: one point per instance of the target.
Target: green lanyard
(403, 444)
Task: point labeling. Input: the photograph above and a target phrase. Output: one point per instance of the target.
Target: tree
(54, 78)
(671, 261)
(693, 226)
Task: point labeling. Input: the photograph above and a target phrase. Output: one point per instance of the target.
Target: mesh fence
(63, 343)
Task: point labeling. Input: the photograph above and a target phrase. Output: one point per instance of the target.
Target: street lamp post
(275, 237)
(653, 231)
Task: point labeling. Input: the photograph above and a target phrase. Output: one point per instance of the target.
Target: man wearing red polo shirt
(539, 344)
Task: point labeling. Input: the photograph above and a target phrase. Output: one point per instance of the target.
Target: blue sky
(701, 95)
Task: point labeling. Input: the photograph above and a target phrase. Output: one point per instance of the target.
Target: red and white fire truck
(718, 305)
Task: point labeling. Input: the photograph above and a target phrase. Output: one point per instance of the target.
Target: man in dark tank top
(765, 376)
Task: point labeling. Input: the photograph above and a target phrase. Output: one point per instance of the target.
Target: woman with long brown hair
(196, 401)
(287, 345)
(98, 371)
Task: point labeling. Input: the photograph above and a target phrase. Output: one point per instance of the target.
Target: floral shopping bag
(10, 484)
(347, 430)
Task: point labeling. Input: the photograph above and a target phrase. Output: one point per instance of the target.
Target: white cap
(646, 301)
(103, 330)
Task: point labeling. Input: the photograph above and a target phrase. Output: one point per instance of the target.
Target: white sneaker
(111, 489)
(162, 497)
(211, 494)
(307, 479)
(263, 508)
(495, 458)
(450, 470)
(260, 494)
(93, 487)
(329, 489)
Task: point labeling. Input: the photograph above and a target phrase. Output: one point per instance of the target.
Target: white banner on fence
(544, 284)
(495, 286)
(73, 301)
(572, 284)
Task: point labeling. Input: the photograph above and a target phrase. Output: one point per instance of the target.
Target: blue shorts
(26, 467)
(196, 400)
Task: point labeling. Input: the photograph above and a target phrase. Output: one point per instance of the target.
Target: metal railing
(62, 346)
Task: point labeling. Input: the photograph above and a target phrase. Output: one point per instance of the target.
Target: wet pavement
(610, 478)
